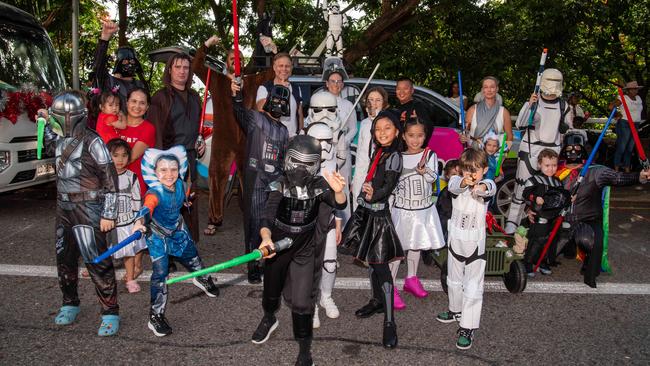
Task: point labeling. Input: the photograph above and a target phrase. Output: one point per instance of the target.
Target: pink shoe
(413, 286)
(398, 304)
(132, 287)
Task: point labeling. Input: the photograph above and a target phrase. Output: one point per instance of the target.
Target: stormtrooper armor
(549, 122)
(335, 22)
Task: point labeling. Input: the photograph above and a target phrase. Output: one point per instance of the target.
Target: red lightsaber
(235, 25)
(205, 101)
(635, 134)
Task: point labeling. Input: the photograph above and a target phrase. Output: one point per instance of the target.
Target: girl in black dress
(369, 235)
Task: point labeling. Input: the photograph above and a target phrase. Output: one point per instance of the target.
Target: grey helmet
(69, 110)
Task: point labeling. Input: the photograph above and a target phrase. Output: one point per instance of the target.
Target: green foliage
(593, 42)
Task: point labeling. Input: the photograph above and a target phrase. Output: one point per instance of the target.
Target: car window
(443, 116)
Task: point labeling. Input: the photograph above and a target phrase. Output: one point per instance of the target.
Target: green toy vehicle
(501, 261)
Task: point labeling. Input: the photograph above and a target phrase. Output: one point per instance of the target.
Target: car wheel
(515, 280)
(505, 192)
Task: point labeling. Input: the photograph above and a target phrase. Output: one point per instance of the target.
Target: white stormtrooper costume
(335, 23)
(466, 258)
(324, 124)
(549, 122)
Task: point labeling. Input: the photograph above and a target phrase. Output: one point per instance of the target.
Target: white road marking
(359, 283)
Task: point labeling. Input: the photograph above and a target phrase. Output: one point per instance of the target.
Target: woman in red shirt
(139, 133)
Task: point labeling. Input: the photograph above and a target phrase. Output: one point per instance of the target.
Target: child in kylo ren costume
(298, 202)
(266, 142)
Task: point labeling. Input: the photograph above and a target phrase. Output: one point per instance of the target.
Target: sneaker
(530, 274)
(265, 329)
(158, 325)
(465, 337)
(413, 286)
(206, 285)
(331, 310)
(448, 317)
(545, 270)
(316, 321)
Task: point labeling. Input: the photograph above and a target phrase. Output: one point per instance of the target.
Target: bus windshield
(27, 60)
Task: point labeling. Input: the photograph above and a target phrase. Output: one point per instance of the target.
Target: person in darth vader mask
(586, 213)
(299, 202)
(266, 142)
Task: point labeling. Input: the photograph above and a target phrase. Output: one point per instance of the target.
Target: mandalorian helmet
(69, 110)
(277, 102)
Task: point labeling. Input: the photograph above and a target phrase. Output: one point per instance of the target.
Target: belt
(371, 206)
(79, 196)
(294, 229)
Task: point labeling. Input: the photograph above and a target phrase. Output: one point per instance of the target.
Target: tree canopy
(595, 43)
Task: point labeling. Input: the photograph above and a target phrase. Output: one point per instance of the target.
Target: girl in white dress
(413, 211)
(128, 205)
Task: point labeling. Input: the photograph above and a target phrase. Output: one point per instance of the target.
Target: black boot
(303, 333)
(374, 306)
(390, 328)
(254, 273)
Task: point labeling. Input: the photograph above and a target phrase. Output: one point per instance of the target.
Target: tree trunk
(381, 30)
(121, 7)
(223, 28)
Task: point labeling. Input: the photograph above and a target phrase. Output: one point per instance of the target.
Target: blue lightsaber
(461, 104)
(130, 239)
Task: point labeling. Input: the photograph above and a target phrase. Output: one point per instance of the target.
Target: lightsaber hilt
(130, 239)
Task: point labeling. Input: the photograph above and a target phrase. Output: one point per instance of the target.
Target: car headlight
(5, 160)
(509, 254)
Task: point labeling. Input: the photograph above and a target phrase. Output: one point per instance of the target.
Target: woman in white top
(376, 100)
(487, 115)
(454, 95)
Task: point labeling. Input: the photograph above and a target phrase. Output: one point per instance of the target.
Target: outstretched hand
(335, 180)
(212, 41)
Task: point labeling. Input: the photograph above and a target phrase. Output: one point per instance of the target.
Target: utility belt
(163, 231)
(294, 229)
(76, 197)
(371, 206)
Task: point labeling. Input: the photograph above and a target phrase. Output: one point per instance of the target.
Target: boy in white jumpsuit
(466, 257)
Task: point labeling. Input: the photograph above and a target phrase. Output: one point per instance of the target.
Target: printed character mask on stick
(277, 102)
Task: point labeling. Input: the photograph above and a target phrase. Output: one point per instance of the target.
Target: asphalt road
(576, 326)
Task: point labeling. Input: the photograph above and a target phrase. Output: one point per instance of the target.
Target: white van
(28, 62)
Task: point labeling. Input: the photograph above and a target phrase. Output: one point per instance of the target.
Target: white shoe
(316, 323)
(331, 310)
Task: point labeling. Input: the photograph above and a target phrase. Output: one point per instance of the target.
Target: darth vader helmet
(277, 102)
(126, 64)
(574, 150)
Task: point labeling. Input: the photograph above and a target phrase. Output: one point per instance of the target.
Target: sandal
(110, 325)
(132, 287)
(211, 229)
(67, 315)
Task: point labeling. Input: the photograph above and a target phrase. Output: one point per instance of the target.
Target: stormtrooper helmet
(334, 7)
(323, 133)
(551, 83)
(323, 108)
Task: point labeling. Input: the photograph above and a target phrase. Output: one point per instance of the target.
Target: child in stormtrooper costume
(324, 125)
(466, 260)
(299, 203)
(166, 232)
(549, 122)
(86, 208)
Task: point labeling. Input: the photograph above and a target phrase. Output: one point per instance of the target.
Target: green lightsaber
(501, 154)
(40, 131)
(255, 255)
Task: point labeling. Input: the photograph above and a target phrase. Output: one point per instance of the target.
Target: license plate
(45, 169)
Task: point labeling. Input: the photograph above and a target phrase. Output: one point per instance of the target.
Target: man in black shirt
(407, 105)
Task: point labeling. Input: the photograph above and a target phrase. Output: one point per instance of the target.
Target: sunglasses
(318, 110)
